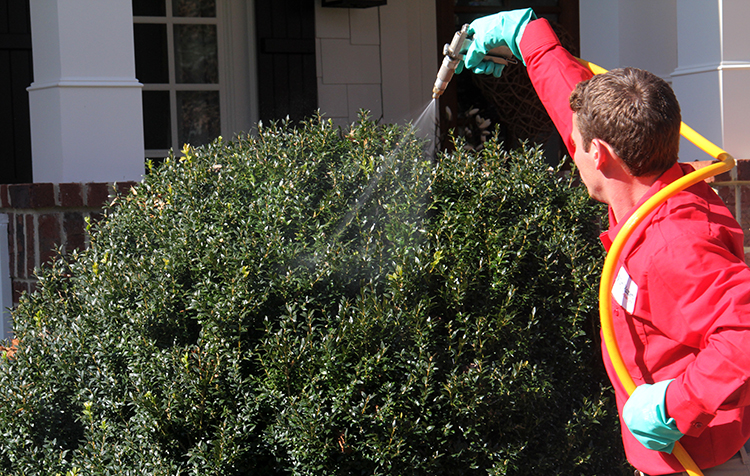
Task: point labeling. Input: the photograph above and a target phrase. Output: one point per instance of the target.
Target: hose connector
(453, 54)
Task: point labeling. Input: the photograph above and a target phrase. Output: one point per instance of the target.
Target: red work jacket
(681, 299)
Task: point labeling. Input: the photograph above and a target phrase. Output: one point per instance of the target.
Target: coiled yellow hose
(725, 162)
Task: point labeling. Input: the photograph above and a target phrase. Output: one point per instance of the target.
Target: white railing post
(6, 294)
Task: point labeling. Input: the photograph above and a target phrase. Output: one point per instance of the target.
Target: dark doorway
(287, 80)
(16, 74)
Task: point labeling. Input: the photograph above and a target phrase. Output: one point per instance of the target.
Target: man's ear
(602, 153)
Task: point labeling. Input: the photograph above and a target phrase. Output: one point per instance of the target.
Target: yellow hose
(726, 162)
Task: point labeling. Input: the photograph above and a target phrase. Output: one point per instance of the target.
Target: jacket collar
(669, 176)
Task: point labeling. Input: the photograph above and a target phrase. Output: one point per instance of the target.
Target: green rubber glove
(645, 415)
(500, 29)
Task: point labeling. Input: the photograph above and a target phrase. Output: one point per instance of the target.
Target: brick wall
(734, 188)
(44, 216)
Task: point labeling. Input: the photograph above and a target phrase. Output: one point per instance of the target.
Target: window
(177, 55)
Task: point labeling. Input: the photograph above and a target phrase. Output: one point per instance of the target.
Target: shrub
(313, 302)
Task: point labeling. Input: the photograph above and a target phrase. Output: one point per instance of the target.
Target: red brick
(42, 195)
(744, 220)
(19, 287)
(722, 177)
(75, 234)
(32, 195)
(20, 243)
(70, 195)
(30, 248)
(124, 187)
(743, 169)
(12, 243)
(49, 236)
(19, 195)
(4, 198)
(727, 194)
(95, 217)
(97, 194)
(19, 240)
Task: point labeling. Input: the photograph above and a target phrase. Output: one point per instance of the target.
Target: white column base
(87, 130)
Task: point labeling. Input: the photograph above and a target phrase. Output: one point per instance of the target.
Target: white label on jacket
(625, 290)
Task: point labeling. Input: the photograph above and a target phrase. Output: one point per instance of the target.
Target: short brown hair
(635, 112)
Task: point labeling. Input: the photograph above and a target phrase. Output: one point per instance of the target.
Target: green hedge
(309, 301)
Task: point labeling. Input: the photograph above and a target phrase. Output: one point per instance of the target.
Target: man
(681, 299)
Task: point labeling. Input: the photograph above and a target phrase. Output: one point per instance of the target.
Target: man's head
(635, 112)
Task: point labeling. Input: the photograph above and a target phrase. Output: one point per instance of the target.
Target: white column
(637, 33)
(85, 102)
(713, 73)
(698, 45)
(6, 294)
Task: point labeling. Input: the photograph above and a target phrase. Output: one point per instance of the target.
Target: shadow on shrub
(315, 302)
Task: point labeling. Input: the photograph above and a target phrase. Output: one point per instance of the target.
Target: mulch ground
(11, 350)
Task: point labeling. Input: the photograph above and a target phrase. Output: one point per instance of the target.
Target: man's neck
(625, 194)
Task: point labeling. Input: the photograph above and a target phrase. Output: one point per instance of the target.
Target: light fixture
(354, 3)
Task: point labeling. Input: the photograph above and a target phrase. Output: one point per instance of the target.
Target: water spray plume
(420, 128)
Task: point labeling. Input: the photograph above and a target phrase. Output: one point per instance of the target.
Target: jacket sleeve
(554, 72)
(712, 315)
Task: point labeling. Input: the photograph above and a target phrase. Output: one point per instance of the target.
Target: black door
(287, 81)
(16, 74)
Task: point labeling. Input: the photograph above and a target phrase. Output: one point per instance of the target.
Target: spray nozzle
(454, 52)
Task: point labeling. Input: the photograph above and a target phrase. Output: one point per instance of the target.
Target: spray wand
(454, 52)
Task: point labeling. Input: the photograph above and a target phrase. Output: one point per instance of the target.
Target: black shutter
(16, 74)
(287, 81)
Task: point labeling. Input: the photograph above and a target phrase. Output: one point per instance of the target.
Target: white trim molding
(6, 293)
(712, 67)
(86, 83)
